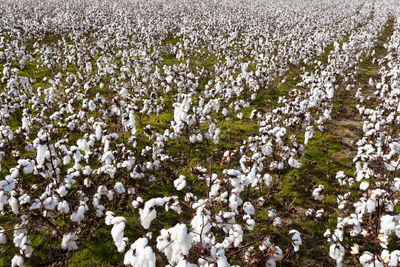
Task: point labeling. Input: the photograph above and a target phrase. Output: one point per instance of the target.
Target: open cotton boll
(17, 260)
(117, 233)
(41, 155)
(174, 243)
(336, 252)
(68, 241)
(201, 225)
(248, 208)
(3, 236)
(236, 235)
(295, 239)
(148, 213)
(267, 179)
(364, 185)
(387, 225)
(180, 183)
(79, 215)
(63, 207)
(140, 254)
(317, 193)
(62, 191)
(119, 188)
(27, 165)
(13, 202)
(394, 258)
(367, 260)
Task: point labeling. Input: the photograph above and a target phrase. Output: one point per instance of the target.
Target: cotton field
(200, 133)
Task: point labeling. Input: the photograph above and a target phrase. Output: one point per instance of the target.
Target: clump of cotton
(175, 242)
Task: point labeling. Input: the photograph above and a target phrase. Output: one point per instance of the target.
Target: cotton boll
(13, 202)
(394, 258)
(236, 235)
(317, 193)
(140, 254)
(201, 225)
(148, 213)
(387, 225)
(248, 208)
(17, 260)
(3, 236)
(277, 221)
(267, 179)
(68, 242)
(319, 213)
(117, 233)
(336, 252)
(364, 185)
(119, 188)
(367, 259)
(63, 207)
(66, 159)
(295, 239)
(62, 191)
(180, 183)
(175, 242)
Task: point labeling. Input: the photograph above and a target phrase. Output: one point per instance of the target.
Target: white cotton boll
(13, 202)
(79, 215)
(387, 225)
(294, 163)
(36, 204)
(394, 258)
(267, 179)
(277, 221)
(371, 204)
(3, 236)
(296, 239)
(110, 195)
(140, 254)
(248, 208)
(17, 260)
(201, 225)
(336, 252)
(66, 159)
(364, 185)
(14, 172)
(236, 235)
(50, 203)
(62, 191)
(119, 188)
(27, 165)
(63, 207)
(87, 182)
(367, 259)
(86, 170)
(250, 222)
(175, 242)
(277, 253)
(117, 233)
(319, 213)
(271, 213)
(317, 193)
(234, 202)
(68, 242)
(41, 155)
(180, 183)
(308, 134)
(309, 212)
(147, 215)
